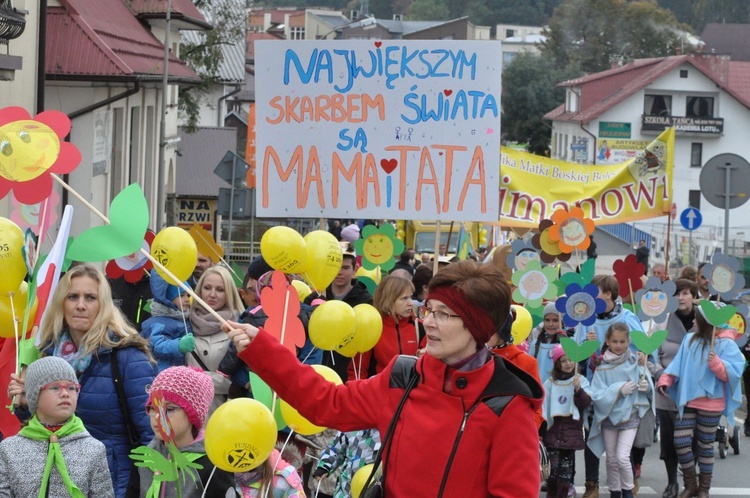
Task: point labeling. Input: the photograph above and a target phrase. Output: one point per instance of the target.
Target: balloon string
(333, 360)
(179, 283)
(205, 488)
(307, 278)
(41, 229)
(317, 488)
(276, 463)
(312, 350)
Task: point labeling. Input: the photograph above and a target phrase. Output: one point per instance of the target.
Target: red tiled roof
(183, 10)
(102, 40)
(604, 90)
(739, 78)
(253, 37)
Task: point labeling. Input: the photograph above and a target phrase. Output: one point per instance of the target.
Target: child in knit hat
(53, 455)
(186, 394)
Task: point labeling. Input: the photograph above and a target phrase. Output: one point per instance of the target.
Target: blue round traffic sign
(691, 218)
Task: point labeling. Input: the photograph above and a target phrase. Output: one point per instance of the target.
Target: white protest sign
(393, 129)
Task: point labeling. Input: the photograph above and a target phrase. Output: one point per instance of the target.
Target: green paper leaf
(128, 216)
(717, 316)
(236, 274)
(369, 283)
(576, 352)
(634, 309)
(573, 278)
(147, 306)
(646, 344)
(27, 352)
(261, 392)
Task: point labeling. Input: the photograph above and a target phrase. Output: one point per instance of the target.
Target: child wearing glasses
(187, 394)
(53, 455)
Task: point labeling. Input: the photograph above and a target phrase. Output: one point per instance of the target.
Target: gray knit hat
(549, 308)
(45, 371)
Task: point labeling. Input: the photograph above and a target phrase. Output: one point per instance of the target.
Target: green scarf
(36, 431)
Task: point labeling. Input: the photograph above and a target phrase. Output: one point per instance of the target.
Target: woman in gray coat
(678, 324)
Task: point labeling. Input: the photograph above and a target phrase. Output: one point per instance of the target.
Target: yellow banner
(533, 187)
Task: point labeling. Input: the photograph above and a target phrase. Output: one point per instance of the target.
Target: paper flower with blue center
(534, 284)
(656, 299)
(580, 305)
(723, 276)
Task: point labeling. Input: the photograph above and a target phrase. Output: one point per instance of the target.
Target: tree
(592, 34)
(429, 10)
(530, 91)
(203, 53)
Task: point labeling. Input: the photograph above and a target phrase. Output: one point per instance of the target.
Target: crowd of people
(445, 379)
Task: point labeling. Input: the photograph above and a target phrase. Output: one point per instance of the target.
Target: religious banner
(395, 129)
(533, 187)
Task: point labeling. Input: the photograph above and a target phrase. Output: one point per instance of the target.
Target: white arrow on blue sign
(691, 218)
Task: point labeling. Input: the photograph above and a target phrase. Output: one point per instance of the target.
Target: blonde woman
(217, 289)
(393, 299)
(84, 327)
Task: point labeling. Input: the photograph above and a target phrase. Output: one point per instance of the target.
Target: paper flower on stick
(549, 249)
(521, 253)
(378, 246)
(31, 149)
(132, 267)
(571, 229)
(30, 215)
(534, 284)
(628, 273)
(579, 352)
(206, 244)
(739, 321)
(580, 305)
(656, 299)
(723, 276)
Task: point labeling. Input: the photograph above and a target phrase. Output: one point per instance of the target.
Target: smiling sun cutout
(31, 149)
(378, 246)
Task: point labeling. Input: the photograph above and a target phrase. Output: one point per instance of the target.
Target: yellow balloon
(174, 248)
(324, 258)
(15, 313)
(369, 327)
(360, 479)
(284, 249)
(240, 435)
(522, 325)
(292, 417)
(374, 275)
(332, 325)
(12, 265)
(303, 290)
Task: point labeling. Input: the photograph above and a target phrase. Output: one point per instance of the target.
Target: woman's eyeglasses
(56, 389)
(441, 317)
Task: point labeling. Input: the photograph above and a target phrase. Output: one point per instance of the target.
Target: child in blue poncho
(704, 382)
(622, 392)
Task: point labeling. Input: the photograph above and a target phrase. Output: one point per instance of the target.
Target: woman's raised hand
(240, 333)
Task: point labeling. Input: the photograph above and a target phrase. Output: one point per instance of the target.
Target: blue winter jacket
(99, 407)
(164, 332)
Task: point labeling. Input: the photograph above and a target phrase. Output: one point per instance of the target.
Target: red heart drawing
(378, 44)
(388, 165)
(447, 92)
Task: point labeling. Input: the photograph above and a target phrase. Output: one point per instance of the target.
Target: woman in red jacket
(467, 427)
(393, 299)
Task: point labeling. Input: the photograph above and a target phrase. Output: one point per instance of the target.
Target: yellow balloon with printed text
(292, 417)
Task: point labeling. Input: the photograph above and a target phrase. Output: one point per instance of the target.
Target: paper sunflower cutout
(571, 229)
(739, 321)
(30, 215)
(549, 250)
(534, 284)
(378, 247)
(31, 149)
(522, 252)
(656, 299)
(628, 273)
(134, 266)
(580, 305)
(723, 276)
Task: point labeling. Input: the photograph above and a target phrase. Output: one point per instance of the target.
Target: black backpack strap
(403, 376)
(135, 439)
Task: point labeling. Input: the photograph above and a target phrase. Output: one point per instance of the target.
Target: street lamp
(368, 22)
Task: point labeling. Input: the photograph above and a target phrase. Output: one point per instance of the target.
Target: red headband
(475, 318)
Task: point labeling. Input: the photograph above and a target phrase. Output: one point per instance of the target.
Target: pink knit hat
(557, 353)
(187, 387)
